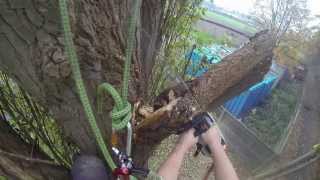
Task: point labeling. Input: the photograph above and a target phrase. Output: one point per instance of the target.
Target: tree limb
(234, 74)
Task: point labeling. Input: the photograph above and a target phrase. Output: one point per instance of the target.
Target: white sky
(245, 6)
(314, 6)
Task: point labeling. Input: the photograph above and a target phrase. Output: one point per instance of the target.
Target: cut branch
(234, 74)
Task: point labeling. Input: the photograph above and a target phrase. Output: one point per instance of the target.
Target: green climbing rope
(129, 49)
(121, 114)
(72, 56)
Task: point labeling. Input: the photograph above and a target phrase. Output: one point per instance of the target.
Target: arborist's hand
(212, 137)
(169, 170)
(187, 140)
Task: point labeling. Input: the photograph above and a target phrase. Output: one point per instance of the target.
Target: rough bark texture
(36, 165)
(31, 51)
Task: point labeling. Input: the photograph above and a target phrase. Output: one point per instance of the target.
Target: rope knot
(121, 115)
(121, 112)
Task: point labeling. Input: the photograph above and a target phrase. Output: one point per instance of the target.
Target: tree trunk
(32, 52)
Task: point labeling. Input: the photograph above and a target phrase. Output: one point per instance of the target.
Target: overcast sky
(245, 6)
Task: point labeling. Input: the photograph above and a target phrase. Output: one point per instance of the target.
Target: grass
(203, 39)
(230, 22)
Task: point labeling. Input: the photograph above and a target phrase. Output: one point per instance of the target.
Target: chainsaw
(201, 122)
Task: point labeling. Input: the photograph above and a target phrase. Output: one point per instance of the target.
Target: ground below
(192, 167)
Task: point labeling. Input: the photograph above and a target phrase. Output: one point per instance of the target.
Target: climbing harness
(121, 113)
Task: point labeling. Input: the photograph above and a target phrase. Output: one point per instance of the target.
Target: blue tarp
(213, 54)
(240, 105)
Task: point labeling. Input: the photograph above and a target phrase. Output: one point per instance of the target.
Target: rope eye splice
(121, 113)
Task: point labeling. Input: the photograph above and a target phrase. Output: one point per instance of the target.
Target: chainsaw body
(201, 122)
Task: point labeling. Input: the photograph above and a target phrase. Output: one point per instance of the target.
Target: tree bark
(19, 160)
(32, 52)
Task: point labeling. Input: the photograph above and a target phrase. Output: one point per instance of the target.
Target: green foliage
(293, 48)
(33, 123)
(270, 121)
(177, 40)
(230, 22)
(225, 40)
(180, 38)
(202, 38)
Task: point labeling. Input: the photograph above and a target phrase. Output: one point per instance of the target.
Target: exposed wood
(153, 118)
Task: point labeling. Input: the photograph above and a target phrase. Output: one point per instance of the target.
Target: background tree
(288, 23)
(313, 44)
(292, 48)
(32, 54)
(279, 16)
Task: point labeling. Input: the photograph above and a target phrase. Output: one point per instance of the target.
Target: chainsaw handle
(202, 122)
(204, 148)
